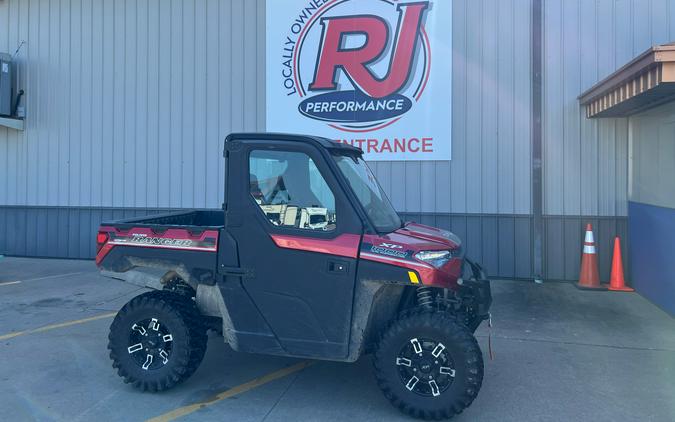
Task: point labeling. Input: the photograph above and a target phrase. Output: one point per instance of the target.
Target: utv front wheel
(157, 340)
(429, 365)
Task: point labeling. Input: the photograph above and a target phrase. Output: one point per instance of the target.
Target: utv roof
(317, 140)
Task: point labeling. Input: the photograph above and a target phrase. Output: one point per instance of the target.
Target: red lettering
(399, 145)
(372, 144)
(354, 61)
(427, 145)
(360, 142)
(385, 145)
(410, 143)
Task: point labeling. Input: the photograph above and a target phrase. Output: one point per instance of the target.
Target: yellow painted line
(7, 283)
(55, 326)
(254, 383)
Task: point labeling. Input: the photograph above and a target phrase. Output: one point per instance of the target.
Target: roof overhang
(645, 82)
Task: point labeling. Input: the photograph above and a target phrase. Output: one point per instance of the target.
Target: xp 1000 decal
(376, 74)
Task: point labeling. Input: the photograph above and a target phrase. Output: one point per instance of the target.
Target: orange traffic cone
(589, 278)
(616, 281)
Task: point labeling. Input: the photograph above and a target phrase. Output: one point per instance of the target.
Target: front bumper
(475, 288)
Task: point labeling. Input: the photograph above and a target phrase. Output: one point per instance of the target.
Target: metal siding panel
(201, 89)
(98, 161)
(554, 249)
(412, 186)
(43, 237)
(74, 223)
(553, 94)
(430, 186)
(225, 82)
(174, 166)
(659, 22)
(522, 109)
(261, 63)
(152, 124)
(572, 244)
(522, 247)
(164, 166)
(62, 232)
(443, 221)
(506, 100)
(458, 226)
(489, 153)
(237, 58)
(444, 185)
(212, 153)
(456, 200)
(641, 27)
(249, 66)
(397, 180)
(31, 228)
(3, 231)
(188, 141)
(74, 114)
(474, 118)
(141, 104)
(506, 244)
(83, 121)
(623, 48)
(621, 170)
(87, 234)
(490, 245)
(428, 219)
(474, 238)
(606, 167)
(588, 56)
(572, 113)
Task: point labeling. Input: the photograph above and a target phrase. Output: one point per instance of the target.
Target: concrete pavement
(559, 354)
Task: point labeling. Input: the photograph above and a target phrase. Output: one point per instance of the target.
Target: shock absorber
(425, 298)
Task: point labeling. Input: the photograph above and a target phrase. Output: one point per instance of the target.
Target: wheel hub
(425, 367)
(150, 344)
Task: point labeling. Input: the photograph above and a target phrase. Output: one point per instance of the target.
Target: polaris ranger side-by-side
(308, 259)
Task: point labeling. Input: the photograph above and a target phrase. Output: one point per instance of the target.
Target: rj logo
(355, 62)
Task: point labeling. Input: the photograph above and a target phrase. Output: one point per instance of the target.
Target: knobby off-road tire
(169, 326)
(450, 358)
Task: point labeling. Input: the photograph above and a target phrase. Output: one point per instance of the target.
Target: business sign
(376, 74)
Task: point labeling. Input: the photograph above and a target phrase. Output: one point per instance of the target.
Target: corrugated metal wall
(128, 102)
(586, 161)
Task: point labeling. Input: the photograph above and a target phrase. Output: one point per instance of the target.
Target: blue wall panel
(652, 234)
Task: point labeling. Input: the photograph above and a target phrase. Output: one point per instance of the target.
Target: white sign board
(373, 73)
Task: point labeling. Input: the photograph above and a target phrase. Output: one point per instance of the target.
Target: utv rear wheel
(157, 340)
(429, 365)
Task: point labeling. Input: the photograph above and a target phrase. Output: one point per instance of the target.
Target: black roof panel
(271, 136)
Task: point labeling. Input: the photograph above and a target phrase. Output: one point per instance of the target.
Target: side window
(290, 190)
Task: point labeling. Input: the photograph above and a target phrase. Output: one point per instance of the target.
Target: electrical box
(6, 84)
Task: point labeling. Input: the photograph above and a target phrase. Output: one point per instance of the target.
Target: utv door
(298, 236)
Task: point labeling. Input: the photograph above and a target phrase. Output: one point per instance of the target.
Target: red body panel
(143, 237)
(346, 245)
(396, 248)
(399, 248)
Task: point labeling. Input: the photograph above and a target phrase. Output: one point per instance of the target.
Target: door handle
(338, 267)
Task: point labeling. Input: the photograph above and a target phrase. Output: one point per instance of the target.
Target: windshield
(369, 193)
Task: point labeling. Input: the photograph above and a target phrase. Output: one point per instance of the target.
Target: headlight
(435, 258)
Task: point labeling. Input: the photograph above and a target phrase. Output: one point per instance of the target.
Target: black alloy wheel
(425, 367)
(157, 340)
(428, 364)
(150, 344)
